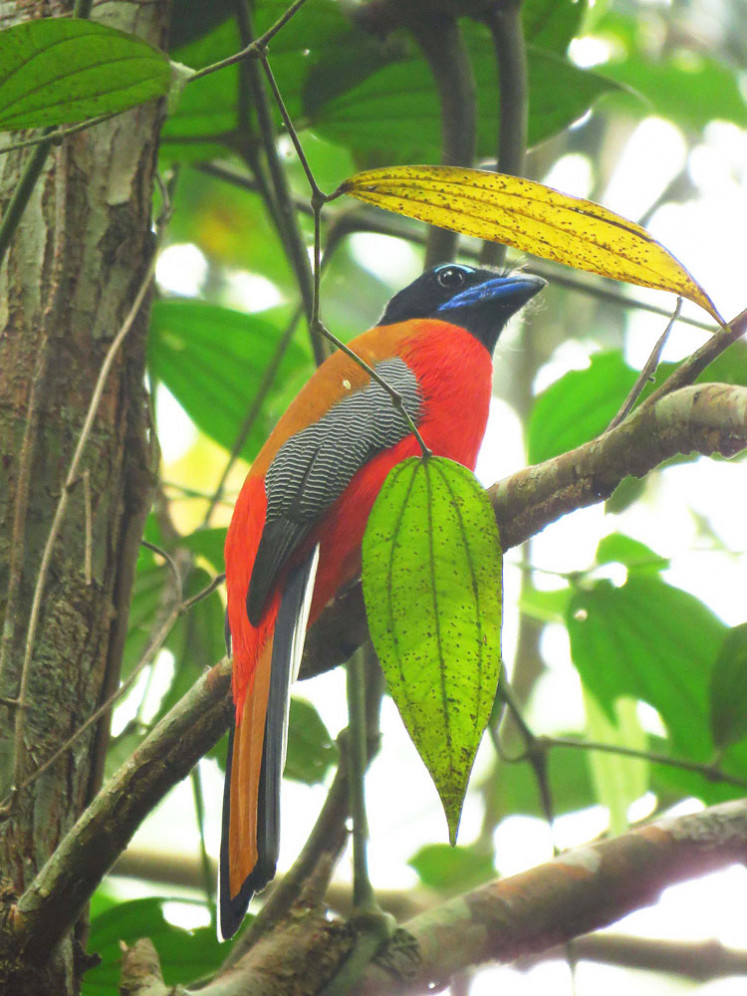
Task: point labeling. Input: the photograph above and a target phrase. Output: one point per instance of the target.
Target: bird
(295, 535)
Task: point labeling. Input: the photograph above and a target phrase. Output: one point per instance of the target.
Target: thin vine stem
(318, 200)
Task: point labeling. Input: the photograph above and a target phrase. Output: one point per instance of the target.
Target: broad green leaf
(690, 89)
(621, 549)
(685, 85)
(61, 70)
(394, 114)
(652, 642)
(185, 955)
(729, 689)
(578, 406)
(531, 217)
(452, 869)
(552, 24)
(618, 781)
(311, 750)
(193, 19)
(213, 361)
(432, 587)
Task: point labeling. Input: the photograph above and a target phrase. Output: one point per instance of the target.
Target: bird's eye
(450, 277)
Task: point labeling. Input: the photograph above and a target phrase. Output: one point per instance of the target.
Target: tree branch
(700, 961)
(54, 900)
(581, 890)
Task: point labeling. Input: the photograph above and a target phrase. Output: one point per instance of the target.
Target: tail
(256, 756)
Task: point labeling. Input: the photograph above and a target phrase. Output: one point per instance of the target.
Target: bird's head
(477, 299)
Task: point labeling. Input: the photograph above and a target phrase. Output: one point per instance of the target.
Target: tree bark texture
(75, 264)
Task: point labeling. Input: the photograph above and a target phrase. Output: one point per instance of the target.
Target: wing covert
(312, 469)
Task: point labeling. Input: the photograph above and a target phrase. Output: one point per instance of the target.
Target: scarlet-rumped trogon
(295, 536)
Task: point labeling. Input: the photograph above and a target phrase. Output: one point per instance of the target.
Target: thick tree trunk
(68, 281)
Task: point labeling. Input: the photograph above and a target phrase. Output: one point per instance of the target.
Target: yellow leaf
(531, 217)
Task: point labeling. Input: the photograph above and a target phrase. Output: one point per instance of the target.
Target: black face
(479, 300)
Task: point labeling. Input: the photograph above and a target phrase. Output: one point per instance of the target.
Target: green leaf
(552, 24)
(395, 112)
(213, 361)
(578, 406)
(432, 587)
(729, 689)
(452, 869)
(185, 955)
(581, 404)
(652, 642)
(728, 368)
(685, 85)
(621, 549)
(61, 70)
(311, 750)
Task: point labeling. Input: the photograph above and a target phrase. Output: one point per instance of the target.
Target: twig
(318, 199)
(172, 565)
(206, 591)
(709, 771)
(535, 753)
(700, 961)
(694, 365)
(55, 136)
(513, 101)
(221, 172)
(648, 370)
(208, 879)
(250, 50)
